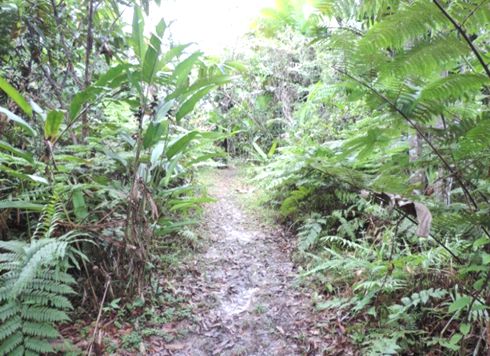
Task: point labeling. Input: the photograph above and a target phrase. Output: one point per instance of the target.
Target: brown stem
(473, 12)
(99, 315)
(88, 53)
(463, 33)
(434, 149)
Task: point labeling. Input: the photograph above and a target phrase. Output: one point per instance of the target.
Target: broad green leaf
(259, 151)
(14, 173)
(153, 133)
(139, 45)
(113, 73)
(157, 152)
(455, 339)
(272, 150)
(37, 109)
(189, 203)
(172, 53)
(168, 226)
(161, 27)
(115, 157)
(163, 109)
(459, 304)
(180, 144)
(82, 98)
(79, 206)
(190, 104)
(150, 63)
(198, 85)
(52, 124)
(18, 120)
(17, 152)
(465, 329)
(19, 204)
(181, 72)
(15, 96)
(485, 258)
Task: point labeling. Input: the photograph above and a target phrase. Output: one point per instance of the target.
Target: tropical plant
(95, 141)
(403, 104)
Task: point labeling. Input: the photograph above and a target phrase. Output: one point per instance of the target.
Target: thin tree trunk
(88, 53)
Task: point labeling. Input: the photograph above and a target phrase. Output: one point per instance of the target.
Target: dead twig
(96, 329)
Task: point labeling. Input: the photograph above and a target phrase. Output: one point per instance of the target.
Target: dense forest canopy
(365, 125)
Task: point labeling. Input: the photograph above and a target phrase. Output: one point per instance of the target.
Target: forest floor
(243, 288)
(238, 294)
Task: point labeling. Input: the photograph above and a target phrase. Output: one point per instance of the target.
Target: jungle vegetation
(367, 123)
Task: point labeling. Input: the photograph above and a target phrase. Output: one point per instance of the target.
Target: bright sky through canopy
(213, 24)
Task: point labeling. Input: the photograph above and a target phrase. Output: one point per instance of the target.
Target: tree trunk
(88, 72)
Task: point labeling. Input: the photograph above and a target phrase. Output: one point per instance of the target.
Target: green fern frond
(38, 345)
(8, 310)
(427, 57)
(10, 326)
(472, 15)
(40, 252)
(327, 7)
(10, 343)
(49, 299)
(341, 242)
(475, 141)
(58, 288)
(33, 293)
(15, 246)
(43, 314)
(376, 9)
(454, 87)
(410, 22)
(44, 330)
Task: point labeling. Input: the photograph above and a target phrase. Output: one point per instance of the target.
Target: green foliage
(106, 151)
(34, 290)
(52, 126)
(15, 96)
(398, 112)
(357, 111)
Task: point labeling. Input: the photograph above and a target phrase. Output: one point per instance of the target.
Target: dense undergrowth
(375, 149)
(368, 121)
(96, 163)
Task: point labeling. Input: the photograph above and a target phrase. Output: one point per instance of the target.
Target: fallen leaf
(175, 347)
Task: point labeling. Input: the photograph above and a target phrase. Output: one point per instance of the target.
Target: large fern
(34, 287)
(33, 294)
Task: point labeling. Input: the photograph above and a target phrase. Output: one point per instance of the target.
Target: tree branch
(463, 33)
(434, 149)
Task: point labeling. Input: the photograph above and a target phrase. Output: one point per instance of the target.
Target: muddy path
(243, 288)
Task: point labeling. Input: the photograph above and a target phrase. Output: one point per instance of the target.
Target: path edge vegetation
(97, 186)
(378, 161)
(368, 122)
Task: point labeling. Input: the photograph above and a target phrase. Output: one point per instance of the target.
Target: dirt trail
(243, 287)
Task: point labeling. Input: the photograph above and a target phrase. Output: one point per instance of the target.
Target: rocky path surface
(243, 287)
